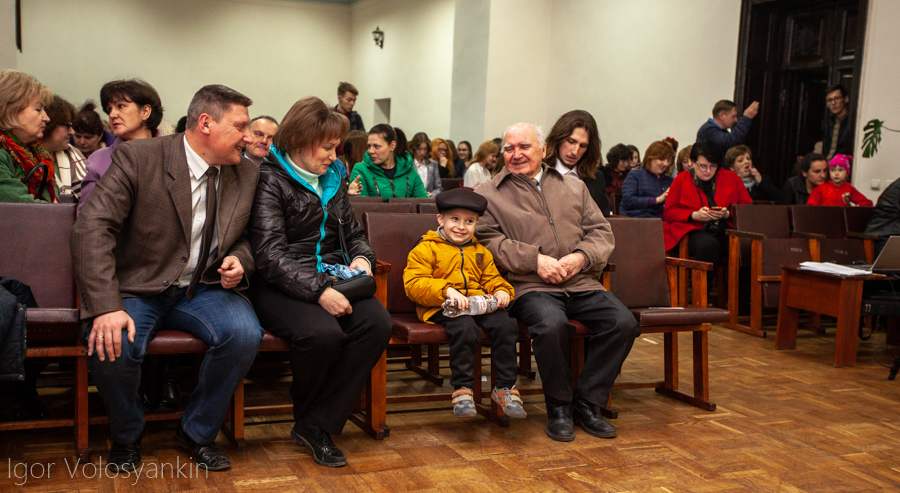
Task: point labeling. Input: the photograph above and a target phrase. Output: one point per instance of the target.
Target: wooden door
(789, 53)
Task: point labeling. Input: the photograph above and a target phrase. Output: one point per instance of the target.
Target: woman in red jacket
(698, 204)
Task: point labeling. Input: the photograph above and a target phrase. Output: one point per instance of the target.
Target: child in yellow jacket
(450, 264)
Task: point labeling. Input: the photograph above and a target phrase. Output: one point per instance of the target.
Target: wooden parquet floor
(787, 421)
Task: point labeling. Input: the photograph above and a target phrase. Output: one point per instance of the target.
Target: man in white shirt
(162, 244)
(573, 149)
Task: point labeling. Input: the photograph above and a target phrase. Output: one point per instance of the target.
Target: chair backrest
(356, 198)
(640, 278)
(451, 183)
(614, 200)
(392, 236)
(856, 218)
(426, 208)
(35, 250)
(771, 220)
(364, 207)
(819, 219)
(410, 200)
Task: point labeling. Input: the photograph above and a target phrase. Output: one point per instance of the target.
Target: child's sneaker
(463, 403)
(510, 401)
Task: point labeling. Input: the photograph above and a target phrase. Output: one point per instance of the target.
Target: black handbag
(356, 288)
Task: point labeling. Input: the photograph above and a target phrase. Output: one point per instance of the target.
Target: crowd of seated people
(289, 236)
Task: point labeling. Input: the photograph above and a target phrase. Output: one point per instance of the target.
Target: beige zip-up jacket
(560, 218)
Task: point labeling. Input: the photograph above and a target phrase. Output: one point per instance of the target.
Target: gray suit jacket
(132, 239)
(432, 180)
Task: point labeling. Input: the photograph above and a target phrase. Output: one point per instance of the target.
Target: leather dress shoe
(124, 457)
(209, 457)
(559, 421)
(592, 422)
(324, 451)
(167, 385)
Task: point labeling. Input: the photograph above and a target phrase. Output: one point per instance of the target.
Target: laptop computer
(888, 261)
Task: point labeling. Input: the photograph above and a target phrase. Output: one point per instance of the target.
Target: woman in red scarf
(26, 170)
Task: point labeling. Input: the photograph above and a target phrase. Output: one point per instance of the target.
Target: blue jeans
(221, 319)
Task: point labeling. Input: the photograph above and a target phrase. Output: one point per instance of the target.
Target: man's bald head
(523, 149)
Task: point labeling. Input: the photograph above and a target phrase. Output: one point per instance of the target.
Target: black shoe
(168, 396)
(209, 457)
(324, 451)
(167, 385)
(559, 421)
(124, 457)
(591, 421)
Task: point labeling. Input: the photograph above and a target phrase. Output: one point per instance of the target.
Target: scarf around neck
(26, 158)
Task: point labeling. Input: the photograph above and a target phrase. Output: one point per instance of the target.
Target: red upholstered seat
(273, 343)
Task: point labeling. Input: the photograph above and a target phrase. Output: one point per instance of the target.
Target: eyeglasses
(67, 124)
(707, 167)
(834, 100)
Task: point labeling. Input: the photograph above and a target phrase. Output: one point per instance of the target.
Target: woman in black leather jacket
(300, 208)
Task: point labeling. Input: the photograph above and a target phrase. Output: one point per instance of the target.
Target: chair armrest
(382, 267)
(609, 268)
(768, 278)
(861, 236)
(808, 236)
(745, 234)
(688, 264)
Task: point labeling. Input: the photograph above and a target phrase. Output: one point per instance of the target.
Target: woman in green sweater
(26, 170)
(382, 174)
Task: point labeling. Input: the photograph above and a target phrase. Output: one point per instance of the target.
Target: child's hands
(461, 301)
(502, 299)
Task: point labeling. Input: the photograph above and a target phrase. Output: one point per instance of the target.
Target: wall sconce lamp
(378, 35)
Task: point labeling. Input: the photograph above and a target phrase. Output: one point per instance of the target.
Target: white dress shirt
(422, 169)
(564, 170)
(198, 167)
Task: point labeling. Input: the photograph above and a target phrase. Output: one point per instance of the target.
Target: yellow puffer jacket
(436, 264)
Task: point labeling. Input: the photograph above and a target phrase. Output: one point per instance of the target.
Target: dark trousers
(613, 331)
(220, 318)
(331, 357)
(705, 247)
(465, 334)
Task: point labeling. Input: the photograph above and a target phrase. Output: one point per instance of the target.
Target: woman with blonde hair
(479, 169)
(26, 169)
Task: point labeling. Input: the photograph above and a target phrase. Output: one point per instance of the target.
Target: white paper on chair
(831, 268)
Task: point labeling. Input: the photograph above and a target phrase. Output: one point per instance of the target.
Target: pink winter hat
(842, 160)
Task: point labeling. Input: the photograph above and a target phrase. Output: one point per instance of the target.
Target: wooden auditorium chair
(451, 183)
(837, 244)
(392, 236)
(656, 291)
(35, 250)
(763, 243)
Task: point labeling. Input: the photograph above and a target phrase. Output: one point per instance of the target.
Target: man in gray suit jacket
(162, 244)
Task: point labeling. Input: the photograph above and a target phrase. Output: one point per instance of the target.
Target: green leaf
(872, 137)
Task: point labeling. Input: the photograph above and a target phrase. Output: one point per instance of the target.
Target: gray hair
(538, 131)
(215, 100)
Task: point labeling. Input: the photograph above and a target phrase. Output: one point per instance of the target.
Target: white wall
(645, 69)
(471, 39)
(878, 97)
(7, 34)
(274, 51)
(414, 68)
(518, 61)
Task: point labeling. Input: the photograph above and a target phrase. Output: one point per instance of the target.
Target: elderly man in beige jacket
(548, 233)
